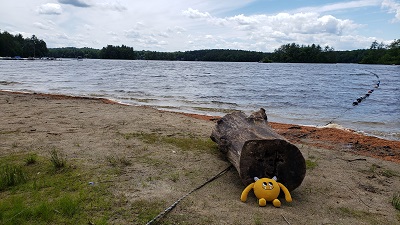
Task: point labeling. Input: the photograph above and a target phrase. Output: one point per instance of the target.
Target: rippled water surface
(309, 94)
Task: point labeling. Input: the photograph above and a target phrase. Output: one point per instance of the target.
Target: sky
(183, 25)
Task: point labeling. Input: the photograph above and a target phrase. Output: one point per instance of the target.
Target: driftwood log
(256, 150)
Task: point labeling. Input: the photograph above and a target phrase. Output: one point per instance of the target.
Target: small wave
(219, 83)
(370, 123)
(336, 126)
(8, 82)
(224, 103)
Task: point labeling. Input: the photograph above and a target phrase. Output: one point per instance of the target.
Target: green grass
(185, 142)
(57, 159)
(144, 211)
(11, 175)
(311, 164)
(31, 159)
(359, 214)
(115, 161)
(174, 176)
(38, 194)
(396, 201)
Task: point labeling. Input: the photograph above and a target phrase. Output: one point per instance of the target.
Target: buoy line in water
(360, 99)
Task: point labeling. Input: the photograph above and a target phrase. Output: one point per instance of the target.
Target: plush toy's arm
(245, 192)
(288, 197)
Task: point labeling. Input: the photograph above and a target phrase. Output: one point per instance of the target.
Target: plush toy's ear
(274, 178)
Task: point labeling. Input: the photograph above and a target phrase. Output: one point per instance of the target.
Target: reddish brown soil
(334, 139)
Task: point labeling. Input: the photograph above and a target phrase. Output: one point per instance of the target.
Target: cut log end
(269, 158)
(256, 150)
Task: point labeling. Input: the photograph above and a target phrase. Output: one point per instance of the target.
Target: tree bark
(256, 150)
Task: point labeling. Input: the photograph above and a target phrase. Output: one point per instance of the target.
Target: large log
(256, 150)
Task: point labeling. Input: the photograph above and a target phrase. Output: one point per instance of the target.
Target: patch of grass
(46, 197)
(373, 168)
(57, 159)
(150, 160)
(144, 211)
(125, 161)
(174, 176)
(362, 215)
(68, 205)
(112, 160)
(11, 175)
(186, 143)
(31, 159)
(311, 164)
(388, 173)
(115, 161)
(396, 201)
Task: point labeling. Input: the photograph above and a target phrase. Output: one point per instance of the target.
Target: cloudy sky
(180, 25)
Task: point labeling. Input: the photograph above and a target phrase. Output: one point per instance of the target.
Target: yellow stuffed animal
(266, 189)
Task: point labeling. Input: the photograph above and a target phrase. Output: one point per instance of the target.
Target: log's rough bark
(256, 150)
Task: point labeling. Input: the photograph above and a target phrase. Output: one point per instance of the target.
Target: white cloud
(245, 20)
(393, 7)
(132, 34)
(50, 9)
(176, 29)
(42, 26)
(339, 6)
(307, 23)
(114, 6)
(195, 14)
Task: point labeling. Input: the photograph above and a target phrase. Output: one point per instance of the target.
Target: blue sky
(180, 25)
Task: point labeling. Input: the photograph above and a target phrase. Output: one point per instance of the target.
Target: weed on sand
(396, 201)
(311, 164)
(184, 142)
(359, 214)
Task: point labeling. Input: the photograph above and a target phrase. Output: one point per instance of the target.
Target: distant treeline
(125, 52)
(378, 53)
(18, 46)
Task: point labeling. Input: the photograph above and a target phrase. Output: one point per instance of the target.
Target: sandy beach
(353, 182)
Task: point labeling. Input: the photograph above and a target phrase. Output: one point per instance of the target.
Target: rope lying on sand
(360, 99)
(167, 210)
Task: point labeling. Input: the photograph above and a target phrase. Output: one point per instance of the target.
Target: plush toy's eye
(270, 184)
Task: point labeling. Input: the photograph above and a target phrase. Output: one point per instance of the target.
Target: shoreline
(322, 137)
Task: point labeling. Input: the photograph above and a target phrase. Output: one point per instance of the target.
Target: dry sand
(353, 182)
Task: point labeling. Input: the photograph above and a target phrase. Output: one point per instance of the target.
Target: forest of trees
(16, 45)
(71, 52)
(378, 53)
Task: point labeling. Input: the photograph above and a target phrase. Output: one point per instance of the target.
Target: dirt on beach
(352, 179)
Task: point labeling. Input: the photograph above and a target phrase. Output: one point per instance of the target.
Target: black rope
(167, 210)
(360, 99)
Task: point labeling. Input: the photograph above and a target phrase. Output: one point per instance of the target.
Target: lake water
(307, 94)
